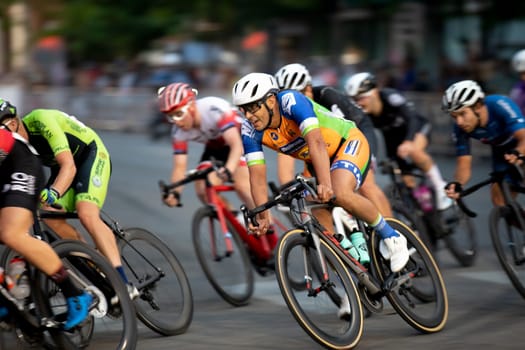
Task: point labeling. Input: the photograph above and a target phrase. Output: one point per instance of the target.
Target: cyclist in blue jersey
(494, 120)
(333, 149)
(517, 93)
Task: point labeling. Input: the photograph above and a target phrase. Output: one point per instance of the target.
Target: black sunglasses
(253, 107)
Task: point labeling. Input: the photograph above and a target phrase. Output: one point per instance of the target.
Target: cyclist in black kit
(21, 179)
(406, 133)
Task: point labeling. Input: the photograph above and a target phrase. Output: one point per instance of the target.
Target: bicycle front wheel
(113, 311)
(165, 304)
(329, 311)
(460, 235)
(417, 292)
(509, 242)
(411, 217)
(52, 335)
(230, 273)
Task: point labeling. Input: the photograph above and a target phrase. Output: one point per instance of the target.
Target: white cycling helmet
(360, 83)
(518, 61)
(293, 76)
(253, 87)
(464, 93)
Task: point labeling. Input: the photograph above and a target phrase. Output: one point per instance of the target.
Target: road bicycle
(451, 226)
(165, 301)
(507, 227)
(224, 248)
(316, 276)
(38, 320)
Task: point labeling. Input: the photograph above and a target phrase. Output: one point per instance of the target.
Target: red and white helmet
(175, 96)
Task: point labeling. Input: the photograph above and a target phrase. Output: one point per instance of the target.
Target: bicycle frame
(303, 218)
(509, 203)
(260, 247)
(113, 225)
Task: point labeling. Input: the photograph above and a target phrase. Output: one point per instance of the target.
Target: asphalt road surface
(485, 311)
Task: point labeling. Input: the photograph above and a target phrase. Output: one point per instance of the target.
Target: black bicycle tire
(432, 324)
(182, 321)
(65, 248)
(496, 214)
(243, 298)
(42, 306)
(413, 220)
(349, 339)
(465, 256)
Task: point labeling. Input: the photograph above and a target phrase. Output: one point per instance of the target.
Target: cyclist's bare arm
(259, 188)
(232, 138)
(67, 171)
(520, 148)
(180, 163)
(461, 175)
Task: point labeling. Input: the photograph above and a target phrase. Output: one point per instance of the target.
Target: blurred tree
(101, 30)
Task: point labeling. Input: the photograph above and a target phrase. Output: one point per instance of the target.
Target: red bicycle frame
(260, 246)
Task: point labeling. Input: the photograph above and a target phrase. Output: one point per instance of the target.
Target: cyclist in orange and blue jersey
(21, 178)
(333, 149)
(494, 120)
(295, 76)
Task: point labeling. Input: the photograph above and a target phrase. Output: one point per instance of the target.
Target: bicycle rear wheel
(165, 304)
(460, 235)
(114, 315)
(509, 242)
(417, 292)
(330, 313)
(230, 274)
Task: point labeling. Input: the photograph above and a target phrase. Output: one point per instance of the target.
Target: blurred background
(103, 60)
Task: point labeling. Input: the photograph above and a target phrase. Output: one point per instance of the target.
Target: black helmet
(7, 110)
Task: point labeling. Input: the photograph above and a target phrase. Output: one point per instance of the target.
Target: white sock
(434, 175)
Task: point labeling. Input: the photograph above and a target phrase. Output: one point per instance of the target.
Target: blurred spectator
(517, 92)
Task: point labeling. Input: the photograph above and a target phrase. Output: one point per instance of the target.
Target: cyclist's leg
(348, 171)
(18, 205)
(424, 161)
(372, 191)
(91, 185)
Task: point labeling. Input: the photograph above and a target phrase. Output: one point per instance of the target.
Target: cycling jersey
(504, 118)
(342, 105)
(52, 132)
(21, 173)
(216, 116)
(345, 144)
(517, 94)
(398, 116)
